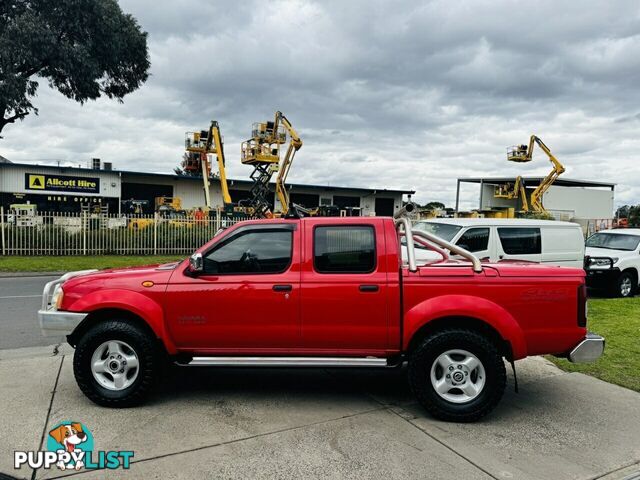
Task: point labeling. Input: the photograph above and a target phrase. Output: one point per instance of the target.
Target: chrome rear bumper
(588, 350)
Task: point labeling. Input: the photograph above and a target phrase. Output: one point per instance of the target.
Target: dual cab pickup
(321, 292)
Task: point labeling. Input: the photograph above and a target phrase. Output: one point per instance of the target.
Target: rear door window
(344, 249)
(520, 241)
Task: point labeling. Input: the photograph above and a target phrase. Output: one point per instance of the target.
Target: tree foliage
(634, 216)
(623, 211)
(631, 213)
(83, 48)
(434, 206)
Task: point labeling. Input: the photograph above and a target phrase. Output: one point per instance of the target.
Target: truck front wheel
(626, 285)
(457, 375)
(115, 363)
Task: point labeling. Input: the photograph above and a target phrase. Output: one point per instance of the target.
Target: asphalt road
(20, 299)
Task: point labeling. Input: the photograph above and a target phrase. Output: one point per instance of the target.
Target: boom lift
(198, 146)
(262, 151)
(523, 154)
(514, 190)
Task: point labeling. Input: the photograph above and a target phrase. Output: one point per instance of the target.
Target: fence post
(84, 232)
(155, 233)
(217, 219)
(4, 249)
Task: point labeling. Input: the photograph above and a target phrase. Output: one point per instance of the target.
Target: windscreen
(613, 241)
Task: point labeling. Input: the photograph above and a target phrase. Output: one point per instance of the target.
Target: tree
(193, 157)
(83, 48)
(634, 216)
(623, 211)
(434, 206)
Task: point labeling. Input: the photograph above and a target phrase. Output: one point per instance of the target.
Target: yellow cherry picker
(262, 151)
(198, 146)
(524, 154)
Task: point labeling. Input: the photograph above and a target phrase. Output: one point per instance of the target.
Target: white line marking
(23, 296)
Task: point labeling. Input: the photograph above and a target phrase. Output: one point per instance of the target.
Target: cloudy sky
(399, 94)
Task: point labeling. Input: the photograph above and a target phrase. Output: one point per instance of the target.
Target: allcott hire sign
(61, 183)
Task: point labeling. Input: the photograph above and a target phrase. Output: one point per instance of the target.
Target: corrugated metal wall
(12, 180)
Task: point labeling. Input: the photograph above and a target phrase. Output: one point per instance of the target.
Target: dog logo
(70, 447)
(71, 438)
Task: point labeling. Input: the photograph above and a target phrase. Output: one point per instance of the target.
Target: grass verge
(618, 321)
(67, 264)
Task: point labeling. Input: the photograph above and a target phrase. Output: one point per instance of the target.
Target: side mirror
(196, 264)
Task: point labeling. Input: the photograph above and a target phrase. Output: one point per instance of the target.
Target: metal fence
(84, 233)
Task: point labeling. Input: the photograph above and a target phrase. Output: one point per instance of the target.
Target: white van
(496, 239)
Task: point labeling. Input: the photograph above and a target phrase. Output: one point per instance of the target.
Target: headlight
(56, 298)
(602, 262)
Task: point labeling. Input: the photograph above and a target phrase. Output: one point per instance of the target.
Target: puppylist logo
(70, 447)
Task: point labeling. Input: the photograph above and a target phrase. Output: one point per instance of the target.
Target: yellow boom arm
(214, 133)
(200, 146)
(295, 144)
(514, 190)
(523, 153)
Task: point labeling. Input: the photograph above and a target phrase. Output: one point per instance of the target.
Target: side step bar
(288, 362)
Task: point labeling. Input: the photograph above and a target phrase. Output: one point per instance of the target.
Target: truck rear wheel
(115, 364)
(457, 375)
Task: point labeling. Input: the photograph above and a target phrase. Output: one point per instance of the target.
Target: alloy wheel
(458, 376)
(115, 365)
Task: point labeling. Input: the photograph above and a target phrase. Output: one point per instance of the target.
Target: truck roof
(316, 219)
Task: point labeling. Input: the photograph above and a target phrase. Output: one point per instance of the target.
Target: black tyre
(457, 375)
(116, 363)
(625, 286)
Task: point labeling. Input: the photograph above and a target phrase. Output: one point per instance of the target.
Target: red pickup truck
(322, 292)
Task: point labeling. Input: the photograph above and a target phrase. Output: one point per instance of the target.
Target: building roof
(198, 178)
(560, 182)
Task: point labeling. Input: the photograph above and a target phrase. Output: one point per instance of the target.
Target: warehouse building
(589, 203)
(68, 189)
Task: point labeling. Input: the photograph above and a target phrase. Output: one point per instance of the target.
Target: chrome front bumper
(56, 322)
(588, 350)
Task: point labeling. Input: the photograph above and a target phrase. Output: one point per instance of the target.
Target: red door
(247, 298)
(344, 287)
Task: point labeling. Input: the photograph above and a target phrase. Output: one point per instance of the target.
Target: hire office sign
(61, 183)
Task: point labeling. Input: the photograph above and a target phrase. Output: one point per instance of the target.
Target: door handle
(282, 288)
(369, 288)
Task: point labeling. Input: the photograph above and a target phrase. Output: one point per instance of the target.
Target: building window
(344, 201)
